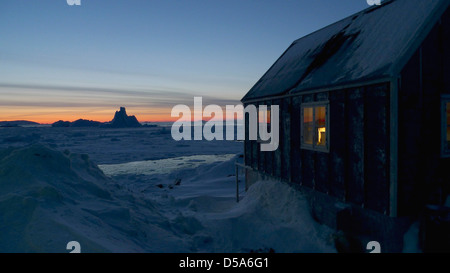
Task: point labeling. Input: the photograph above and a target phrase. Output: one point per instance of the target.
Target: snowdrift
(271, 217)
(281, 220)
(48, 198)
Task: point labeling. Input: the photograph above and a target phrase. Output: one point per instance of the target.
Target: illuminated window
(445, 131)
(308, 127)
(264, 115)
(314, 129)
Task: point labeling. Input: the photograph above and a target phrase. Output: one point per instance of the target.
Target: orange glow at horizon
(51, 115)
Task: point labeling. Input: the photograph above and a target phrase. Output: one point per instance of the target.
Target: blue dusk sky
(68, 62)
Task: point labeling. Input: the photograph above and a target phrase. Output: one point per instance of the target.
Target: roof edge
(420, 36)
(370, 8)
(325, 88)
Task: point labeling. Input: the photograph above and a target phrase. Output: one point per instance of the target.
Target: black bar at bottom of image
(223, 262)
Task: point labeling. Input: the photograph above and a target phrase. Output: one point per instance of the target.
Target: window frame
(314, 146)
(445, 148)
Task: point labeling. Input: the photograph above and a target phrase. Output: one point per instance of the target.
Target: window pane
(321, 126)
(308, 133)
(264, 116)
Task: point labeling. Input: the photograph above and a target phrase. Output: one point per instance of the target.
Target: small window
(445, 131)
(314, 126)
(264, 115)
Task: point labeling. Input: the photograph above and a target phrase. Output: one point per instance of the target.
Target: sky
(61, 62)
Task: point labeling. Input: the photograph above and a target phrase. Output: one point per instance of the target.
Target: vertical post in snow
(237, 183)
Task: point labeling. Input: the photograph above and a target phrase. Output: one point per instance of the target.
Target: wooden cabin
(364, 118)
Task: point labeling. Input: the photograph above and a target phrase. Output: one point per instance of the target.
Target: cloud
(22, 95)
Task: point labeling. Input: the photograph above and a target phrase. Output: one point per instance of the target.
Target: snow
(50, 196)
(145, 192)
(411, 239)
(272, 215)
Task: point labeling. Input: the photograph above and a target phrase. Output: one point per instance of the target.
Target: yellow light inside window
(321, 133)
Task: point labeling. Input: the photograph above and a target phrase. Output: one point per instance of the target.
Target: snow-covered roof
(372, 44)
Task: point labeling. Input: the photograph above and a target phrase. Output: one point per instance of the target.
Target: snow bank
(272, 216)
(203, 209)
(411, 239)
(48, 198)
